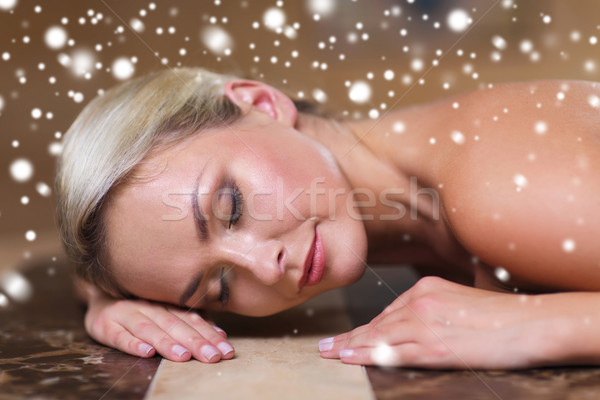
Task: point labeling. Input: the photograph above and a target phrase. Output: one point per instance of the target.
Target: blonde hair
(111, 136)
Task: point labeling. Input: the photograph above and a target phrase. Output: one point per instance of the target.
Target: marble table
(46, 354)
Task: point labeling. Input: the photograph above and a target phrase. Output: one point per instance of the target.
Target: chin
(356, 262)
(355, 275)
(350, 271)
(350, 274)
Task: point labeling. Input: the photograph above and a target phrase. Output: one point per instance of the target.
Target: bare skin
(507, 178)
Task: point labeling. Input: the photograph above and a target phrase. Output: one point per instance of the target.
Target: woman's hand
(440, 324)
(143, 328)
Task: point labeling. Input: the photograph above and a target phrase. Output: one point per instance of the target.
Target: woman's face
(255, 216)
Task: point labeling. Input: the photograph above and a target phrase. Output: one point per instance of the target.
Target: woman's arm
(143, 328)
(441, 324)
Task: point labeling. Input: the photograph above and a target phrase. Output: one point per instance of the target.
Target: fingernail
(209, 352)
(219, 329)
(145, 348)
(346, 353)
(179, 350)
(326, 344)
(225, 348)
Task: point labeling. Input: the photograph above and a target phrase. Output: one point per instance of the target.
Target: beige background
(22, 32)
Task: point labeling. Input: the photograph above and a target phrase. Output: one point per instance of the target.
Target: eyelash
(236, 204)
(224, 295)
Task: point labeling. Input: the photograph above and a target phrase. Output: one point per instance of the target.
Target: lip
(314, 265)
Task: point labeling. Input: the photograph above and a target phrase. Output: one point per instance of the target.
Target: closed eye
(224, 295)
(237, 202)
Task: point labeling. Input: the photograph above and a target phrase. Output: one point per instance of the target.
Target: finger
(146, 330)
(198, 339)
(384, 356)
(404, 355)
(362, 356)
(220, 331)
(198, 322)
(330, 347)
(395, 310)
(202, 314)
(145, 341)
(207, 330)
(373, 335)
(124, 341)
(190, 338)
(354, 332)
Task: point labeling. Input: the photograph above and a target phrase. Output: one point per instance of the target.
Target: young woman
(191, 189)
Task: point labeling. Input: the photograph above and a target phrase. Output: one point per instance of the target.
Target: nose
(265, 259)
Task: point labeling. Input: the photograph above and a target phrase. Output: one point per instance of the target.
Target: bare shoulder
(521, 188)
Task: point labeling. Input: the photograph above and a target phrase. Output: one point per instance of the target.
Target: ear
(266, 99)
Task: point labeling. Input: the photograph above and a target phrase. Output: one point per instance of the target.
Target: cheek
(278, 190)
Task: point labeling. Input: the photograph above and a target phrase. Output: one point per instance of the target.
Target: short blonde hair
(111, 136)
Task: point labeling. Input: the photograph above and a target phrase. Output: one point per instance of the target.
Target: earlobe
(266, 99)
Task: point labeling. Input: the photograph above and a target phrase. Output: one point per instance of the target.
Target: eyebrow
(202, 230)
(201, 225)
(191, 289)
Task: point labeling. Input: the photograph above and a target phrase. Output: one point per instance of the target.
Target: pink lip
(307, 264)
(314, 266)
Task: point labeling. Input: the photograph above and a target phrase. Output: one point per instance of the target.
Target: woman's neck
(394, 187)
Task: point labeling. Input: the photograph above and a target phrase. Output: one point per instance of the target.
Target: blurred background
(357, 57)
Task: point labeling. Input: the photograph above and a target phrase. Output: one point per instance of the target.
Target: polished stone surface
(547, 384)
(45, 352)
